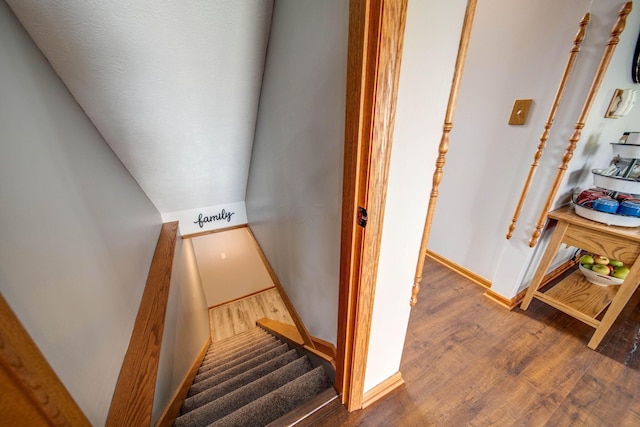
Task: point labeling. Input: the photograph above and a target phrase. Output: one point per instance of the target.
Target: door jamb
(376, 31)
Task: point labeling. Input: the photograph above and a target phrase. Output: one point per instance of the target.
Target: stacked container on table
(616, 198)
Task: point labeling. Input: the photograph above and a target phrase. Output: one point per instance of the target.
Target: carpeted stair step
(225, 405)
(216, 369)
(213, 380)
(238, 381)
(275, 404)
(221, 346)
(235, 351)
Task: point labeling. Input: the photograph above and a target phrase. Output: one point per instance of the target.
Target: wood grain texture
(172, 410)
(469, 362)
(609, 49)
(133, 396)
(390, 19)
(233, 318)
(31, 392)
(443, 148)
(290, 332)
(362, 57)
(295, 317)
(581, 299)
(573, 56)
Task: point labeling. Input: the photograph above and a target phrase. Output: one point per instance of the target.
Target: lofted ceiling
(172, 86)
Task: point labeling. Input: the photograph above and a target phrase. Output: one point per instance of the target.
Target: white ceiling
(173, 86)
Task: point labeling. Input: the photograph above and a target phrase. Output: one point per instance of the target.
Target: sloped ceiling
(173, 86)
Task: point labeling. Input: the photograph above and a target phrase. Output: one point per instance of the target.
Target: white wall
(172, 86)
(78, 233)
(230, 266)
(294, 195)
(186, 328)
(513, 56)
(430, 47)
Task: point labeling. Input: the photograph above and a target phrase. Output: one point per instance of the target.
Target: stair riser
(228, 403)
(243, 336)
(238, 381)
(215, 369)
(234, 351)
(236, 370)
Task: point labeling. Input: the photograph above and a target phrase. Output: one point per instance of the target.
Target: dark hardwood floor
(469, 362)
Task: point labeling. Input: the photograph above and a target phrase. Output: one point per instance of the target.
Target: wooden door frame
(376, 32)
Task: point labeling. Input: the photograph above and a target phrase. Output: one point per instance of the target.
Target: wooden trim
(172, 410)
(497, 298)
(133, 396)
(243, 297)
(573, 55)
(475, 278)
(324, 347)
(304, 333)
(609, 49)
(382, 389)
(218, 230)
(376, 32)
(34, 382)
(512, 303)
(290, 332)
(443, 148)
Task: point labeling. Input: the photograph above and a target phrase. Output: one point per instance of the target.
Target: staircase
(253, 379)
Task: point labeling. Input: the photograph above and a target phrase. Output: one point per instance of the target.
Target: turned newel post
(575, 137)
(444, 144)
(582, 31)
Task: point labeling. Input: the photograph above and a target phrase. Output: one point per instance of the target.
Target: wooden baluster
(573, 55)
(575, 137)
(444, 143)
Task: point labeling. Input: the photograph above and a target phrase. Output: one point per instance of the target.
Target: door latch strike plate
(362, 217)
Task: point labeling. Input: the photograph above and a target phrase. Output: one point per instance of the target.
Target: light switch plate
(520, 111)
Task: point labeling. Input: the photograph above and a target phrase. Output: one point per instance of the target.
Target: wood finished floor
(469, 362)
(238, 316)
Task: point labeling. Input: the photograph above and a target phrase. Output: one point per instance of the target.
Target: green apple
(620, 272)
(586, 260)
(615, 263)
(601, 269)
(601, 259)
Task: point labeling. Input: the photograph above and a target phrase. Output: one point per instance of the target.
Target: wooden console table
(575, 295)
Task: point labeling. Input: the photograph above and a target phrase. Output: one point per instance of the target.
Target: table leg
(617, 304)
(545, 262)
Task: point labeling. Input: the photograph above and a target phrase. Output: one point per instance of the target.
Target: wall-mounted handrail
(132, 402)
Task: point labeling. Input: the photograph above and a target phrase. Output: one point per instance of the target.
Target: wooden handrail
(573, 55)
(617, 29)
(444, 144)
(132, 402)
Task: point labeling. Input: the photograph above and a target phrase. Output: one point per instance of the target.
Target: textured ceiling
(173, 86)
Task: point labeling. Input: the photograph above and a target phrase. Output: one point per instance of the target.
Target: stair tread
(238, 398)
(214, 370)
(257, 331)
(275, 404)
(308, 412)
(237, 381)
(223, 376)
(245, 347)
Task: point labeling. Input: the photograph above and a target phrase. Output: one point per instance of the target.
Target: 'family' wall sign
(208, 218)
(223, 215)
